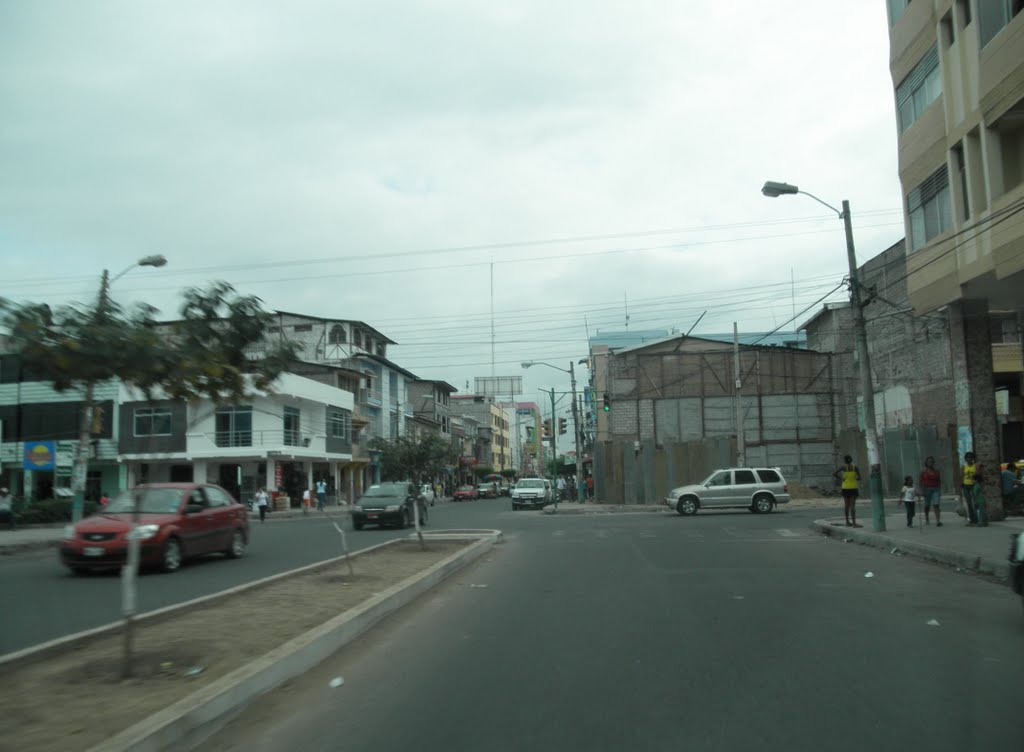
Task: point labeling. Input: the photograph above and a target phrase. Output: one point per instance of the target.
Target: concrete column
(199, 468)
(269, 465)
(977, 425)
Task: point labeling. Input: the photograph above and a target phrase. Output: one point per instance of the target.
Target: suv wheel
(763, 503)
(687, 506)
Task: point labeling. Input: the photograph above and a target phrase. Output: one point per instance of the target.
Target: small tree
(414, 459)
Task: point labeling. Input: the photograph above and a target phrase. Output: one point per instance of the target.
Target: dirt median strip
(77, 699)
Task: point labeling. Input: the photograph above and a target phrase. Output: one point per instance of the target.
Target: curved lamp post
(774, 189)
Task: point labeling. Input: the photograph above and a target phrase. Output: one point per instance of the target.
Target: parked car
(465, 493)
(758, 489)
(531, 492)
(177, 521)
(389, 504)
(427, 492)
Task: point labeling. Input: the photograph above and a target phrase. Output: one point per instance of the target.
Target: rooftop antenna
(625, 303)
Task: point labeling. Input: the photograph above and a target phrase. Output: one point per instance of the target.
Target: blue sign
(40, 455)
(524, 411)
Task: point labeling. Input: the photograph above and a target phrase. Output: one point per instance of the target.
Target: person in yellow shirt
(848, 479)
(969, 482)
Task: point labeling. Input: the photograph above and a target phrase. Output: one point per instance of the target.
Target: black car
(389, 504)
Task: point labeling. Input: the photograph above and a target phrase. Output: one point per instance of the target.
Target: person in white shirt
(561, 487)
(7, 508)
(908, 497)
(307, 497)
(321, 494)
(261, 503)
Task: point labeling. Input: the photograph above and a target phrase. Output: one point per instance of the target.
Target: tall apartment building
(958, 75)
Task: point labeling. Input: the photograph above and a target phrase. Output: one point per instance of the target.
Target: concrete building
(494, 422)
(431, 400)
(958, 76)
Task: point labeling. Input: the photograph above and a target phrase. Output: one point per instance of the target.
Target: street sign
(524, 411)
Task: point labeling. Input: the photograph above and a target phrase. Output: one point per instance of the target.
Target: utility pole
(867, 392)
(554, 449)
(741, 443)
(576, 432)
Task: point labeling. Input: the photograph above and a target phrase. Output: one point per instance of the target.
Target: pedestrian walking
(590, 487)
(847, 477)
(321, 495)
(908, 498)
(969, 481)
(307, 500)
(7, 509)
(560, 484)
(931, 488)
(261, 503)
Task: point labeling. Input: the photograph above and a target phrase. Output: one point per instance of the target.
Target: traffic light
(547, 428)
(607, 402)
(561, 426)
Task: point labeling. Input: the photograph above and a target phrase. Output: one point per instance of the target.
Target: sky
(417, 165)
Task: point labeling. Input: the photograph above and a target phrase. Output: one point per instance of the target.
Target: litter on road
(932, 623)
(477, 586)
(194, 671)
(336, 682)
(869, 574)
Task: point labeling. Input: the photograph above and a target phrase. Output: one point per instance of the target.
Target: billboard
(498, 386)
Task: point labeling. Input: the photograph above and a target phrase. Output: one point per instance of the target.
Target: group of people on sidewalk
(567, 489)
(929, 490)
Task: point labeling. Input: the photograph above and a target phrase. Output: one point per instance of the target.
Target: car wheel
(687, 506)
(171, 559)
(763, 503)
(237, 545)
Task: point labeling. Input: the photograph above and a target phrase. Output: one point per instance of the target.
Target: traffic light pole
(576, 434)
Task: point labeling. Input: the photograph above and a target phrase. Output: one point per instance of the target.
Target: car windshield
(386, 489)
(151, 501)
(530, 484)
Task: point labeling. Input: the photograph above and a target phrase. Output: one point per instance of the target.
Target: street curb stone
(950, 557)
(188, 722)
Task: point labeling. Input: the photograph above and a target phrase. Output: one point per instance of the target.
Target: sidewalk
(36, 537)
(977, 549)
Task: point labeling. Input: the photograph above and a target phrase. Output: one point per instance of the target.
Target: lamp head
(157, 260)
(773, 189)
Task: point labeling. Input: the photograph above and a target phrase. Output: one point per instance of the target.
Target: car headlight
(143, 532)
(392, 507)
(69, 532)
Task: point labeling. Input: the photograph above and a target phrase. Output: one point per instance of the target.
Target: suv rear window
(768, 476)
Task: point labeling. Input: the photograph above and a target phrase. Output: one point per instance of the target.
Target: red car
(465, 493)
(176, 521)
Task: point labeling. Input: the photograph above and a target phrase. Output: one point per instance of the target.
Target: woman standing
(931, 487)
(848, 478)
(261, 503)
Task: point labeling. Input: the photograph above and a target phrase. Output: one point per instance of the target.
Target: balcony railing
(373, 397)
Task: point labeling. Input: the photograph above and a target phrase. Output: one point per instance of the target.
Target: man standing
(321, 494)
(848, 478)
(931, 487)
(561, 488)
(261, 503)
(7, 508)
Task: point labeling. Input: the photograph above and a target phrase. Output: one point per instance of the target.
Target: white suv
(531, 492)
(758, 489)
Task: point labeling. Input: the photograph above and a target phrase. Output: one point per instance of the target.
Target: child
(908, 497)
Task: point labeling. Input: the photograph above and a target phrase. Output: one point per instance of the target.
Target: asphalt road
(40, 600)
(723, 632)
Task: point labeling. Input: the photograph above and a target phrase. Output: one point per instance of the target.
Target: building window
(303, 328)
(929, 208)
(919, 89)
(233, 426)
(152, 421)
(896, 8)
(994, 15)
(339, 425)
(291, 426)
(357, 338)
(380, 349)
(337, 335)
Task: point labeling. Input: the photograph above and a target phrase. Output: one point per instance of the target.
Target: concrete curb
(189, 721)
(971, 562)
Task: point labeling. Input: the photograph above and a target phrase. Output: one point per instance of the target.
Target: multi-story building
(431, 400)
(958, 74)
(490, 416)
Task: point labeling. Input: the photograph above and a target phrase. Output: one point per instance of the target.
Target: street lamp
(774, 189)
(81, 462)
(575, 423)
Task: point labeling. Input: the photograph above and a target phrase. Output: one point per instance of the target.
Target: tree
(415, 459)
(203, 354)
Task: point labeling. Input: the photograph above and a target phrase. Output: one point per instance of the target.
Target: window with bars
(152, 421)
(928, 207)
(337, 335)
(339, 425)
(920, 88)
(292, 426)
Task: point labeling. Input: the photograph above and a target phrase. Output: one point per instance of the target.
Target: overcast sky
(376, 160)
